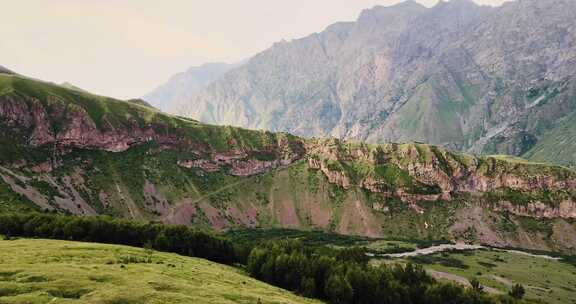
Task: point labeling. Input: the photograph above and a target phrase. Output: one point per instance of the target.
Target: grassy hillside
(546, 280)
(558, 145)
(42, 271)
(107, 113)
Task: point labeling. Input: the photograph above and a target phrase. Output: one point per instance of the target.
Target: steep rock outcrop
(566, 209)
(75, 128)
(420, 173)
(334, 176)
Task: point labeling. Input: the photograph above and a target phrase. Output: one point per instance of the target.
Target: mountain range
(68, 151)
(478, 79)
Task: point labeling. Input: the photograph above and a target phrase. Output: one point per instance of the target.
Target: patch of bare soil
(503, 280)
(439, 275)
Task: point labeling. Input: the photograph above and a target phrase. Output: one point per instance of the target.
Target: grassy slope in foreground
(43, 271)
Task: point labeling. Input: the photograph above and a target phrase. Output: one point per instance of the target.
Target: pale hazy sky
(125, 48)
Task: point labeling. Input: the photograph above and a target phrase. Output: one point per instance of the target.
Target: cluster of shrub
(345, 277)
(169, 238)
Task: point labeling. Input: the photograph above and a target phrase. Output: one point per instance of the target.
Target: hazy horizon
(126, 48)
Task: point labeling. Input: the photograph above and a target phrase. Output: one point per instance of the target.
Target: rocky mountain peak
(451, 16)
(380, 13)
(470, 77)
(339, 27)
(455, 4)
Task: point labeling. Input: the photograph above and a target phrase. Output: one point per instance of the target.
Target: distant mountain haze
(473, 78)
(4, 70)
(125, 48)
(181, 87)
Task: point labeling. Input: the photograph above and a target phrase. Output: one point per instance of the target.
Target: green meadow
(47, 271)
(546, 280)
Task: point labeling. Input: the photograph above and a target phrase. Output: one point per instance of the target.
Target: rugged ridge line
(70, 151)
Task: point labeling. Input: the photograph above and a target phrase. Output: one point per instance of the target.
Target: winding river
(458, 247)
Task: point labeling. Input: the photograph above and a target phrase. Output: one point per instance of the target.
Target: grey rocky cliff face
(472, 78)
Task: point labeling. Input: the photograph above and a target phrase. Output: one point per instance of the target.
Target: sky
(126, 48)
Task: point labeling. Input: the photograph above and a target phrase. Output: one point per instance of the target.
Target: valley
(421, 153)
(549, 279)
